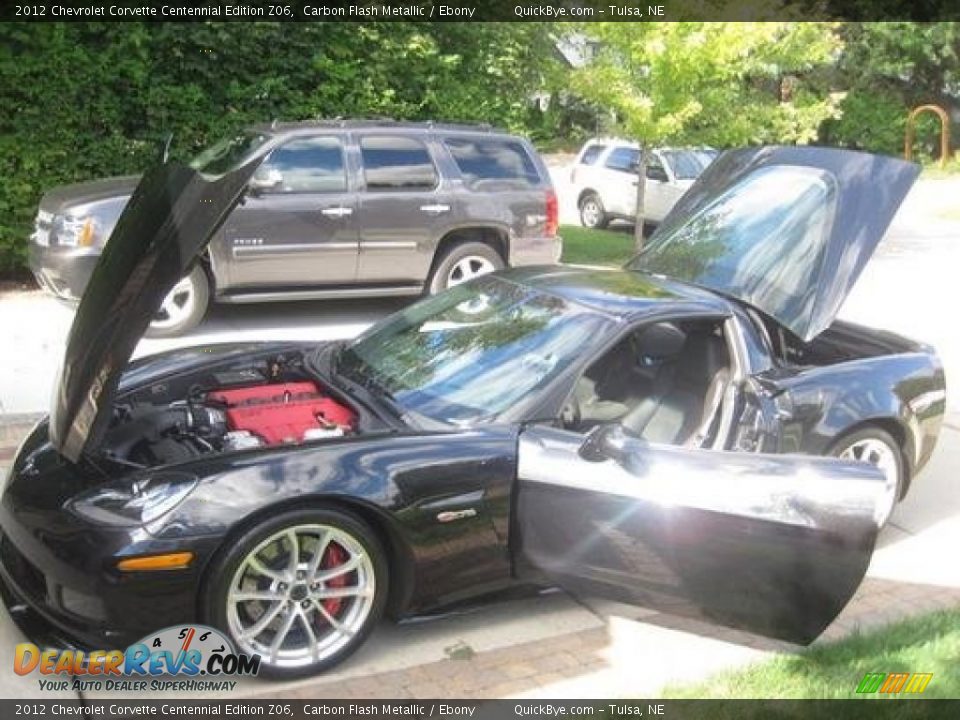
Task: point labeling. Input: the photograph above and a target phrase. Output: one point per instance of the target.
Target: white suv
(604, 176)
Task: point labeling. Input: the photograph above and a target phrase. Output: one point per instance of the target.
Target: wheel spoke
(334, 623)
(311, 635)
(322, 543)
(293, 562)
(344, 592)
(349, 566)
(289, 619)
(262, 595)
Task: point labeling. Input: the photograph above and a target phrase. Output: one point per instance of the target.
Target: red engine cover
(283, 412)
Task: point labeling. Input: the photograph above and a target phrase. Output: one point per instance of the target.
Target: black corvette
(646, 434)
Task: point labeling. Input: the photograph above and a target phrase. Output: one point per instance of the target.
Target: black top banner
(478, 10)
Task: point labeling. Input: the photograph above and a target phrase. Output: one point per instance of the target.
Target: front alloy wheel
(303, 593)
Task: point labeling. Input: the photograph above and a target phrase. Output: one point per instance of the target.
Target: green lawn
(924, 644)
(596, 247)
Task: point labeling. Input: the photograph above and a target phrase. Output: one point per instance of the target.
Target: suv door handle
(436, 209)
(337, 212)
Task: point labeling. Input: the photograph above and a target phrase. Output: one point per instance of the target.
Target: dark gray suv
(338, 209)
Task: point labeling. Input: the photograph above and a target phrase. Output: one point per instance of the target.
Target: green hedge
(87, 100)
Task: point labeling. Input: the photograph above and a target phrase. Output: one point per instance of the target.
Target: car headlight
(76, 231)
(135, 503)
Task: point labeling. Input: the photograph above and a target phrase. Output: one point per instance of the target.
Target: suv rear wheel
(461, 263)
(592, 213)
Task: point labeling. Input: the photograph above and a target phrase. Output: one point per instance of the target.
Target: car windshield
(228, 153)
(686, 164)
(471, 352)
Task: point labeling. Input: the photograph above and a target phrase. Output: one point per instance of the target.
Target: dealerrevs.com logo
(180, 658)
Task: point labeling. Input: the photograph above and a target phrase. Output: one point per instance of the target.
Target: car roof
(626, 294)
(622, 142)
(402, 126)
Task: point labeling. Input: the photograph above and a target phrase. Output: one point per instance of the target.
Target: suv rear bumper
(535, 251)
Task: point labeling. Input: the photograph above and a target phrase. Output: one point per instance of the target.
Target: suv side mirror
(655, 172)
(265, 180)
(605, 442)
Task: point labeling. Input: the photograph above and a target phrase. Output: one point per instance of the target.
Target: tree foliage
(886, 69)
(86, 100)
(723, 84)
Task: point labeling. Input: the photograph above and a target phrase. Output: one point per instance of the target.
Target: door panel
(403, 210)
(298, 228)
(772, 544)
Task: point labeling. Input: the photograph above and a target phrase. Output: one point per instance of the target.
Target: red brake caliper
(334, 557)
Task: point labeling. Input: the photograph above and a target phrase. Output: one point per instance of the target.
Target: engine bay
(254, 407)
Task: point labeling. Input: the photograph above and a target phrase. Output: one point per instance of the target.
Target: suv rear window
(591, 154)
(396, 163)
(485, 162)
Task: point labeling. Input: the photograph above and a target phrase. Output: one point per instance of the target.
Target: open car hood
(169, 220)
(786, 230)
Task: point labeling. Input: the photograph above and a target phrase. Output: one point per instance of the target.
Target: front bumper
(59, 571)
(63, 271)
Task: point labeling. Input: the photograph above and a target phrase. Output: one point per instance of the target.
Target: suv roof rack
(365, 122)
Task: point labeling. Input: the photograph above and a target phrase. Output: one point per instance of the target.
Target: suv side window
(311, 164)
(484, 161)
(623, 159)
(396, 163)
(592, 154)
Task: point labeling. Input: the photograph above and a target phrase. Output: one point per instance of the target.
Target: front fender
(407, 482)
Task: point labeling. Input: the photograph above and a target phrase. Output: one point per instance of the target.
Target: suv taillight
(553, 213)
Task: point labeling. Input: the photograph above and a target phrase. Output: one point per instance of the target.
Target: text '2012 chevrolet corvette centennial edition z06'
(648, 434)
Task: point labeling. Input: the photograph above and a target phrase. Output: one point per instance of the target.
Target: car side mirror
(265, 180)
(605, 442)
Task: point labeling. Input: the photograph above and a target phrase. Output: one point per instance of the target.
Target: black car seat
(682, 411)
(632, 370)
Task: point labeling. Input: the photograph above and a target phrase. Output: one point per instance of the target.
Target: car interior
(664, 383)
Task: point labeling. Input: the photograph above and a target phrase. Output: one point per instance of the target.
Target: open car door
(772, 544)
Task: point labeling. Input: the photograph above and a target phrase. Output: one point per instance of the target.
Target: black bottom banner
(302, 709)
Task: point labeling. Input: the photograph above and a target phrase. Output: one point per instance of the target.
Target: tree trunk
(641, 194)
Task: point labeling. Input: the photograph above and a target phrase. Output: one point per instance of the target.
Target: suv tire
(592, 213)
(184, 306)
(461, 263)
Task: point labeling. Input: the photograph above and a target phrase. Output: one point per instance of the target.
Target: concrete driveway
(556, 645)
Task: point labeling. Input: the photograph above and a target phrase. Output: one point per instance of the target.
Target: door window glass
(312, 164)
(592, 154)
(396, 163)
(624, 159)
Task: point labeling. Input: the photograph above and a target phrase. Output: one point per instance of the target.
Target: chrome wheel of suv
(183, 307)
(462, 263)
(468, 268)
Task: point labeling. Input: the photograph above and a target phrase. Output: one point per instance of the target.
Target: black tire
(199, 288)
(595, 219)
(440, 279)
(876, 434)
(220, 575)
